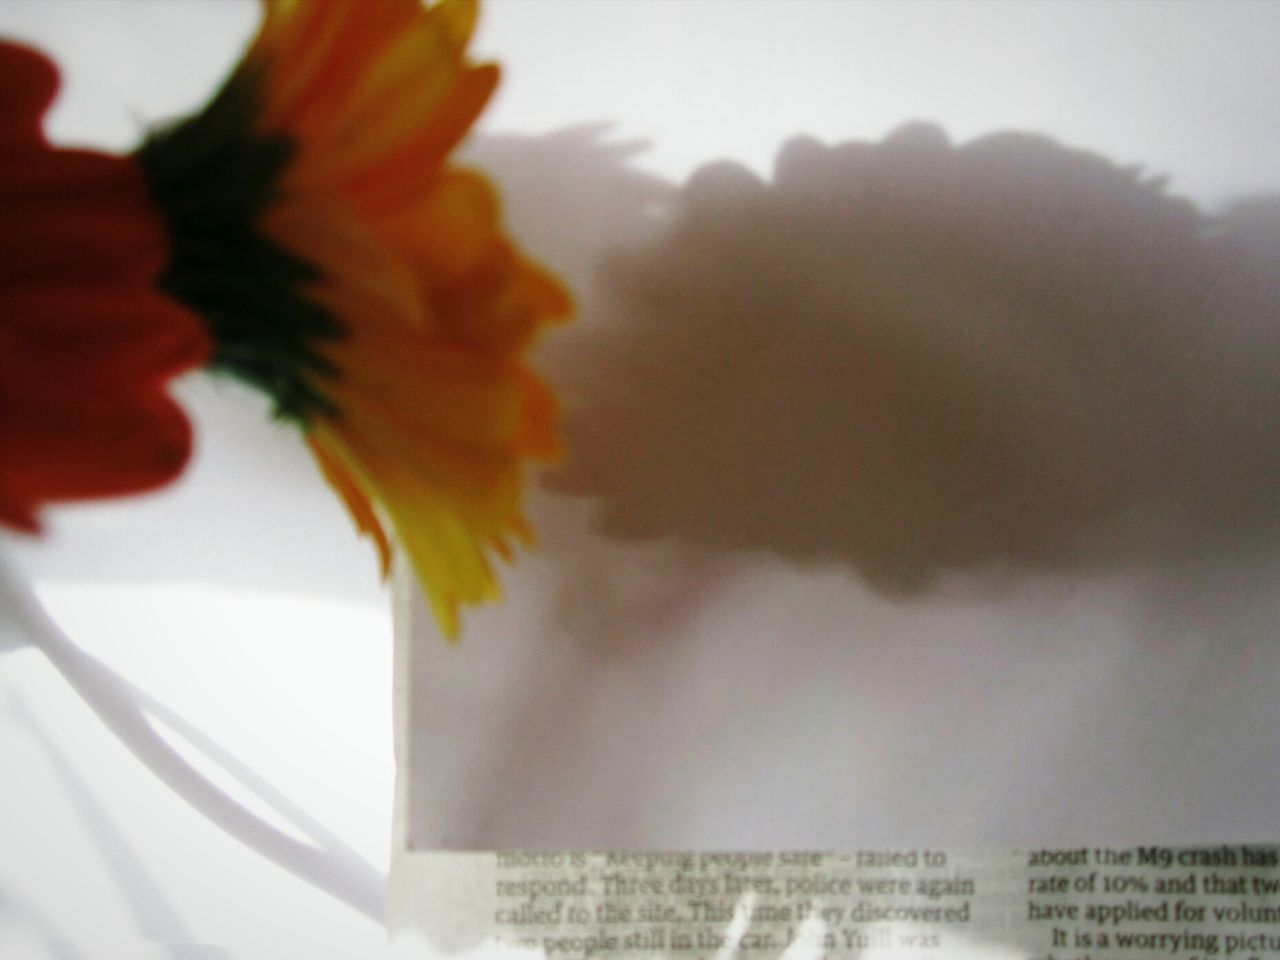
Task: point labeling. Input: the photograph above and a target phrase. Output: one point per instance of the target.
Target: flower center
(213, 178)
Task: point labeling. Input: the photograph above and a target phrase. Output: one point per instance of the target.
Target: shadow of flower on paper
(912, 357)
(961, 455)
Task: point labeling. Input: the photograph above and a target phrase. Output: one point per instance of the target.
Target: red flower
(87, 343)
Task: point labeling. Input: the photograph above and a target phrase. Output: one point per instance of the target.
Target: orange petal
(445, 549)
(396, 176)
(317, 53)
(358, 505)
(501, 305)
(450, 231)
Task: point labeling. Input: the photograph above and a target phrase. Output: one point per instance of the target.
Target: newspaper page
(1080, 903)
(920, 498)
(1057, 901)
(847, 550)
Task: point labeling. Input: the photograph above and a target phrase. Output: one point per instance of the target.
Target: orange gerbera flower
(87, 343)
(348, 270)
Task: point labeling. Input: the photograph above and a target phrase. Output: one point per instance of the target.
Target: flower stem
(332, 867)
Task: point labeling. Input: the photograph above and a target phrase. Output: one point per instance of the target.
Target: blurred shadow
(135, 719)
(893, 362)
(154, 913)
(914, 356)
(14, 910)
(1024, 393)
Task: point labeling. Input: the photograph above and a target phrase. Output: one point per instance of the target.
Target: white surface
(100, 852)
(187, 593)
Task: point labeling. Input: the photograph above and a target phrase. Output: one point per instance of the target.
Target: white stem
(339, 872)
